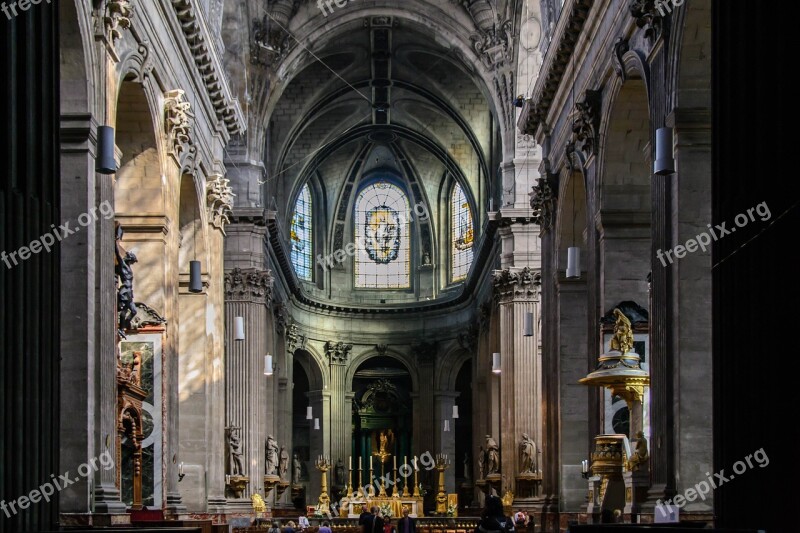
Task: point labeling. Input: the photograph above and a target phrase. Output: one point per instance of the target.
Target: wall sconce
(195, 278)
(446, 425)
(528, 325)
(269, 367)
(455, 411)
(496, 363)
(238, 328)
(665, 155)
(573, 262)
(104, 162)
(181, 473)
(585, 469)
(309, 413)
(316, 423)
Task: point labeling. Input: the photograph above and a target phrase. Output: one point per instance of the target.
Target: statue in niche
(383, 440)
(640, 455)
(271, 457)
(284, 463)
(234, 452)
(622, 341)
(492, 456)
(297, 467)
(481, 463)
(466, 467)
(528, 452)
(339, 472)
(123, 262)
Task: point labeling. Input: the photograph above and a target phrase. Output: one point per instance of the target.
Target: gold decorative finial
(622, 341)
(258, 503)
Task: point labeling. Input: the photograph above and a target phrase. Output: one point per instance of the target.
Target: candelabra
(585, 469)
(382, 455)
(416, 481)
(442, 464)
(323, 464)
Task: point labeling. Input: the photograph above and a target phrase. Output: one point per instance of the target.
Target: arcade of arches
(348, 231)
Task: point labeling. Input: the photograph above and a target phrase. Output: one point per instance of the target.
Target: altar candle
(350, 459)
(405, 460)
(395, 462)
(370, 462)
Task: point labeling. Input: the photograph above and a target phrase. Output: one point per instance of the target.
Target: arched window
(382, 229)
(462, 234)
(301, 236)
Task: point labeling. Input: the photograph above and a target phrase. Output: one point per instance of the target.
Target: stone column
(320, 442)
(247, 294)
(517, 292)
(446, 440)
(424, 419)
(338, 354)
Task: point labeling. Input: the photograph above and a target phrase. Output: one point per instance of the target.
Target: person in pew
(325, 528)
(276, 527)
(388, 527)
(493, 519)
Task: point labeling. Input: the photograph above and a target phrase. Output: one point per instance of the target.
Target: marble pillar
(446, 440)
(340, 418)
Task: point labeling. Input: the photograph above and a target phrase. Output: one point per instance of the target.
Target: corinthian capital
(517, 284)
(249, 285)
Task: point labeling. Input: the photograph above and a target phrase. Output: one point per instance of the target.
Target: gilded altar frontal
(447, 266)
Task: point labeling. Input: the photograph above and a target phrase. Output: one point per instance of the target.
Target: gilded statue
(622, 341)
(383, 440)
(258, 503)
(640, 455)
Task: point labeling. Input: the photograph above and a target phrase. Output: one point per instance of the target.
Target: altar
(395, 504)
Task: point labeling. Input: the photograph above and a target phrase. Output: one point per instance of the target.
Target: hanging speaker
(268, 365)
(528, 325)
(309, 413)
(104, 162)
(496, 363)
(455, 411)
(573, 262)
(238, 328)
(316, 423)
(195, 278)
(665, 156)
(447, 425)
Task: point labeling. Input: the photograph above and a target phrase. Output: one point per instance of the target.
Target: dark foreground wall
(755, 302)
(29, 291)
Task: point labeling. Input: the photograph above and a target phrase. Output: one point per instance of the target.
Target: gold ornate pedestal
(529, 485)
(237, 485)
(492, 484)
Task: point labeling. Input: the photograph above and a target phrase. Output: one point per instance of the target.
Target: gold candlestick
(416, 481)
(360, 493)
(406, 494)
(323, 464)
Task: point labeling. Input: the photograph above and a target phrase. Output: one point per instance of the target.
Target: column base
(175, 505)
(107, 500)
(219, 505)
(93, 519)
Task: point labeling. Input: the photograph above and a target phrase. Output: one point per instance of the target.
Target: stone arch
(624, 195)
(449, 366)
(572, 217)
(311, 361)
(77, 54)
(360, 359)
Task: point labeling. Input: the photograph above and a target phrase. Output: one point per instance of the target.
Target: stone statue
(640, 455)
(271, 457)
(234, 452)
(297, 467)
(339, 472)
(123, 270)
(492, 456)
(383, 440)
(622, 341)
(528, 459)
(466, 467)
(284, 463)
(481, 463)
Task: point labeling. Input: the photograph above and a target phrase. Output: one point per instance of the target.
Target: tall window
(382, 236)
(462, 235)
(300, 235)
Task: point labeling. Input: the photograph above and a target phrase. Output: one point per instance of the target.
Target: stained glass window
(382, 236)
(300, 235)
(462, 234)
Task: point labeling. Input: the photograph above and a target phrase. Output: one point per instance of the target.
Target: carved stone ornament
(147, 317)
(117, 18)
(381, 349)
(338, 352)
(587, 123)
(651, 15)
(513, 285)
(178, 120)
(219, 197)
(468, 339)
(542, 203)
(621, 47)
(252, 285)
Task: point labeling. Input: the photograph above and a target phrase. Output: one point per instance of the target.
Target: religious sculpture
(271, 457)
(234, 452)
(466, 468)
(640, 455)
(492, 456)
(481, 463)
(339, 478)
(383, 441)
(297, 467)
(284, 463)
(122, 268)
(528, 459)
(258, 503)
(622, 341)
